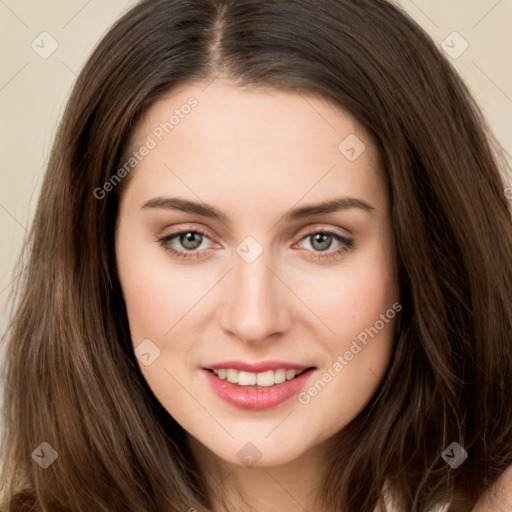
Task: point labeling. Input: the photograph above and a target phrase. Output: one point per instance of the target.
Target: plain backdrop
(34, 89)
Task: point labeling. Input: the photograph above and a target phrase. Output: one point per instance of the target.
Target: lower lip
(257, 397)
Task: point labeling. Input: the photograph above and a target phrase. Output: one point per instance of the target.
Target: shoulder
(498, 498)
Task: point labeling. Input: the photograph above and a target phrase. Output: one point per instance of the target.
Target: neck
(291, 486)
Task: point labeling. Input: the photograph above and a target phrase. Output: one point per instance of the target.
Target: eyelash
(347, 244)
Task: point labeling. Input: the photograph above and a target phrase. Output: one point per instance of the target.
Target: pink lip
(257, 367)
(257, 397)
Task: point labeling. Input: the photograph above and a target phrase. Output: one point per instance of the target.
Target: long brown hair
(71, 378)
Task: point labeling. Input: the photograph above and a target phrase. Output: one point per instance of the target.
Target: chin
(260, 453)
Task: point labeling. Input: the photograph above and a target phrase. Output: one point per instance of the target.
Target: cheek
(352, 297)
(357, 305)
(157, 294)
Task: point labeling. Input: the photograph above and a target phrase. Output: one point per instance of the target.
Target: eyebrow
(205, 210)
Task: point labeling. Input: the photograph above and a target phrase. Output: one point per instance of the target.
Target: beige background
(33, 90)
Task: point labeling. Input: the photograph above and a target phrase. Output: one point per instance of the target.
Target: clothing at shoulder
(498, 498)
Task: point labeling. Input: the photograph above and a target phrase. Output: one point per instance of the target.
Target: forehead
(219, 137)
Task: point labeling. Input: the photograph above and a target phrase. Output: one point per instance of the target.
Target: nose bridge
(257, 306)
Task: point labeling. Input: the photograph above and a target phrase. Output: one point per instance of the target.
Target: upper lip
(262, 366)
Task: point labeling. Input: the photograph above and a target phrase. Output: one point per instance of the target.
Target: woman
(269, 270)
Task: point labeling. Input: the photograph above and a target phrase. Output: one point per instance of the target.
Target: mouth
(262, 379)
(267, 386)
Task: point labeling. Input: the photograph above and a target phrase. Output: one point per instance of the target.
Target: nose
(258, 303)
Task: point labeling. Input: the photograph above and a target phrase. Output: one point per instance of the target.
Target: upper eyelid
(308, 232)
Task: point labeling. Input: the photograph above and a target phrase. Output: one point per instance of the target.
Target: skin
(498, 498)
(254, 155)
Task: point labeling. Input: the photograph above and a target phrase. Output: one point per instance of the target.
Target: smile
(265, 379)
(262, 388)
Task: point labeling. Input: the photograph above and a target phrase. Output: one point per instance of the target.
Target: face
(262, 321)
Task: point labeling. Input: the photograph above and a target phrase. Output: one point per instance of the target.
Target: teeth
(265, 379)
(232, 376)
(279, 376)
(290, 374)
(246, 378)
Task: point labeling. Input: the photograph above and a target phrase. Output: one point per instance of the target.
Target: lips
(257, 386)
(257, 367)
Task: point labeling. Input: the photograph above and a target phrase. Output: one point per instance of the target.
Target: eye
(322, 240)
(192, 239)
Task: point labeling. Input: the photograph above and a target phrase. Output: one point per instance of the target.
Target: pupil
(318, 238)
(189, 240)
